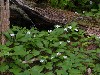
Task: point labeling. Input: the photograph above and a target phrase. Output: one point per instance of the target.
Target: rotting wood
(4, 17)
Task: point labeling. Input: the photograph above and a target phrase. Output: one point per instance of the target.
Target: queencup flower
(28, 32)
(12, 34)
(65, 57)
(49, 31)
(68, 41)
(34, 36)
(57, 26)
(58, 53)
(90, 2)
(52, 57)
(89, 70)
(98, 37)
(76, 12)
(83, 11)
(65, 29)
(41, 60)
(60, 42)
(70, 27)
(76, 29)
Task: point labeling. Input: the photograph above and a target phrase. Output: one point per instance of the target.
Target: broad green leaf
(35, 52)
(49, 73)
(39, 44)
(20, 50)
(49, 66)
(46, 43)
(4, 67)
(19, 35)
(37, 68)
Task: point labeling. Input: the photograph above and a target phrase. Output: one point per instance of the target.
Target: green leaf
(49, 66)
(36, 70)
(73, 71)
(15, 69)
(29, 56)
(39, 44)
(26, 72)
(46, 43)
(56, 44)
(19, 50)
(19, 35)
(3, 67)
(60, 50)
(61, 72)
(48, 50)
(49, 73)
(35, 52)
(7, 35)
(98, 50)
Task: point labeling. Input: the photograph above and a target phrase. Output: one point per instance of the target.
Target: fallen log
(46, 17)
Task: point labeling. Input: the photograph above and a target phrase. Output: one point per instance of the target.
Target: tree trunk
(4, 17)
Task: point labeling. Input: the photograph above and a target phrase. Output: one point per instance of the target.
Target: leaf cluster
(61, 51)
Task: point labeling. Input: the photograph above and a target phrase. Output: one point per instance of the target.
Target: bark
(4, 16)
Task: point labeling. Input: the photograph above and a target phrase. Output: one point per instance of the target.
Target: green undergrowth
(62, 51)
(84, 7)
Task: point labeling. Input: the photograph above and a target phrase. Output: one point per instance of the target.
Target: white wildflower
(28, 32)
(60, 42)
(12, 34)
(41, 60)
(49, 31)
(58, 53)
(76, 12)
(57, 26)
(65, 57)
(65, 29)
(83, 11)
(52, 57)
(98, 37)
(34, 36)
(68, 41)
(76, 29)
(89, 71)
(70, 27)
(90, 2)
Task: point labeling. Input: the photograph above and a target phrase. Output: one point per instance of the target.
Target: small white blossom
(60, 42)
(58, 53)
(83, 11)
(41, 60)
(76, 29)
(68, 41)
(12, 34)
(34, 36)
(98, 37)
(90, 2)
(89, 71)
(70, 27)
(57, 26)
(65, 57)
(65, 29)
(28, 32)
(49, 31)
(52, 57)
(76, 12)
